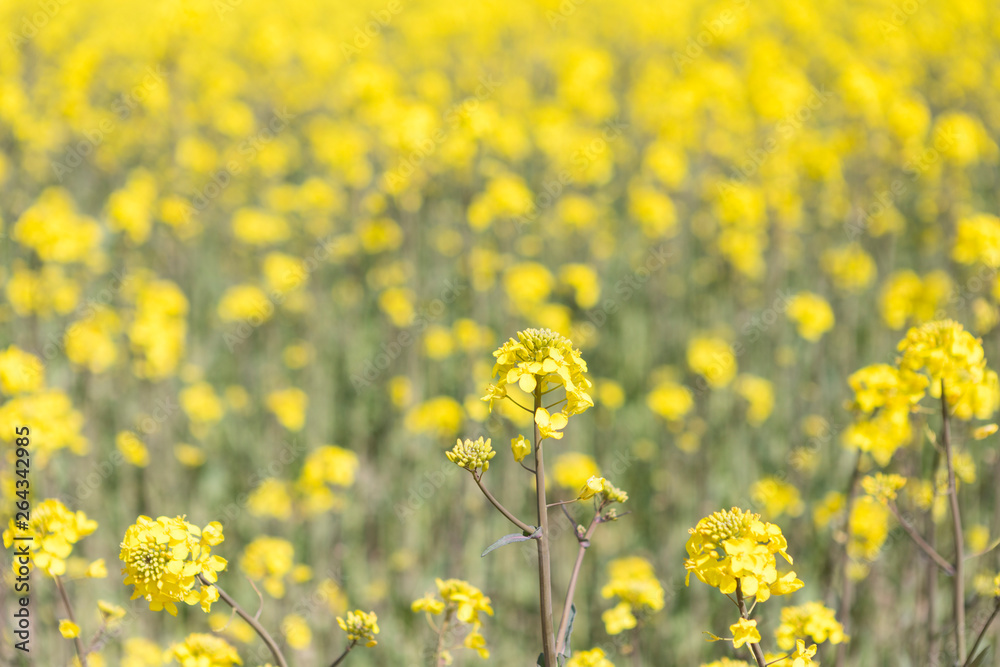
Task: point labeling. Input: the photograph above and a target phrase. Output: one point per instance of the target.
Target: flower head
(883, 487)
(54, 530)
(360, 627)
(520, 447)
(592, 658)
(608, 492)
(540, 357)
(204, 650)
(733, 547)
(472, 454)
(812, 620)
(744, 631)
(163, 558)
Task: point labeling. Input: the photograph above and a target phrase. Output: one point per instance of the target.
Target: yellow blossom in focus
(162, 557)
(744, 631)
(520, 447)
(472, 455)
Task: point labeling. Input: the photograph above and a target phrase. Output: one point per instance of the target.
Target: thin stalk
(758, 653)
(571, 590)
(252, 622)
(544, 565)
(80, 650)
(921, 542)
(846, 584)
(958, 601)
(438, 660)
(503, 510)
(986, 626)
(343, 655)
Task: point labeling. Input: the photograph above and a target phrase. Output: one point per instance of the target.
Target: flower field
(281, 281)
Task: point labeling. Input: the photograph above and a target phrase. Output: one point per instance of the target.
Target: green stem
(758, 653)
(503, 510)
(986, 626)
(544, 565)
(571, 590)
(253, 623)
(80, 650)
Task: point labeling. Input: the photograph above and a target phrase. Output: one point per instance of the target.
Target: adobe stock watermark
(582, 158)
(565, 9)
(242, 330)
(913, 168)
(396, 178)
(123, 106)
(247, 151)
(722, 363)
(711, 30)
(392, 350)
(34, 24)
(287, 455)
(901, 13)
(785, 129)
(365, 34)
(624, 289)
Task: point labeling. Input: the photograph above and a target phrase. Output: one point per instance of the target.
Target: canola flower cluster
(360, 626)
(52, 531)
(633, 583)
(934, 355)
(460, 600)
(164, 558)
(731, 548)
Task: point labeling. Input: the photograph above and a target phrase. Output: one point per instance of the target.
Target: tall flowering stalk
(539, 362)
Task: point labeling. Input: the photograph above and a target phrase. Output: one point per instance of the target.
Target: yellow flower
(204, 650)
(162, 558)
(759, 393)
(296, 631)
(777, 496)
(883, 487)
(68, 629)
(521, 447)
(441, 416)
(592, 658)
(245, 303)
(268, 560)
(550, 425)
(573, 469)
(91, 341)
(670, 400)
(110, 612)
(811, 620)
(53, 530)
(360, 627)
(713, 359)
(540, 357)
(20, 371)
(326, 466)
(977, 239)
(949, 354)
(289, 406)
(272, 498)
(472, 454)
(619, 618)
(609, 492)
(633, 581)
(908, 297)
(141, 653)
(159, 329)
(96, 570)
(850, 267)
(132, 448)
(812, 315)
(257, 227)
(744, 631)
(734, 546)
(201, 404)
(429, 604)
(984, 431)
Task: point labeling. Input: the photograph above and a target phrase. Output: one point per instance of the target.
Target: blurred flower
(204, 650)
(811, 314)
(53, 530)
(289, 406)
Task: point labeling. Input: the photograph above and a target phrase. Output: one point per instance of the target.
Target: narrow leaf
(511, 539)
